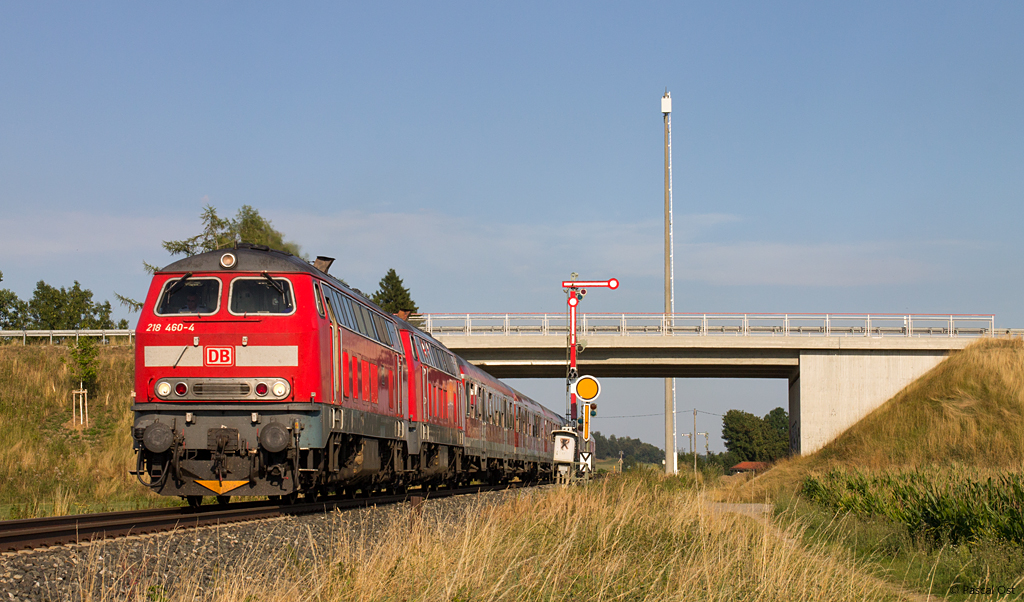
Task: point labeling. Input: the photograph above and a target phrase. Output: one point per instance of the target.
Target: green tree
(13, 311)
(67, 309)
(219, 233)
(633, 450)
(743, 434)
(750, 438)
(83, 356)
(776, 425)
(392, 296)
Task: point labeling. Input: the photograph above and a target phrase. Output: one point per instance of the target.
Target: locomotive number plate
(218, 356)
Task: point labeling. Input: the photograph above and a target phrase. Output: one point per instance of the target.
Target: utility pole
(695, 441)
(671, 459)
(707, 450)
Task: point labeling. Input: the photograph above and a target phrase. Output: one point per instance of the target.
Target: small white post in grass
(80, 398)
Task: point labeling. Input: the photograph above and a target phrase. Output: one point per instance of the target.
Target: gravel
(109, 570)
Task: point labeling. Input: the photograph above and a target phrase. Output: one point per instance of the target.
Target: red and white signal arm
(586, 388)
(611, 283)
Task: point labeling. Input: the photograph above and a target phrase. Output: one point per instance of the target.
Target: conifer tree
(392, 296)
(220, 233)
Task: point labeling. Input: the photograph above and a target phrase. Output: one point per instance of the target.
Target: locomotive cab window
(193, 296)
(261, 295)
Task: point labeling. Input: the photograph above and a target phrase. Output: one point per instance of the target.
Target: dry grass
(966, 413)
(636, 537)
(967, 410)
(48, 465)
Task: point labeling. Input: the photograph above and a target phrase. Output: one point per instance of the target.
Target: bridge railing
(810, 325)
(771, 325)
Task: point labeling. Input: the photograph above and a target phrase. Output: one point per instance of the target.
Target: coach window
(195, 296)
(332, 299)
(382, 331)
(264, 295)
(395, 341)
(331, 312)
(350, 316)
(365, 322)
(360, 326)
(425, 352)
(346, 305)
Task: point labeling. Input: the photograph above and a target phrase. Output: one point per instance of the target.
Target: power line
(649, 415)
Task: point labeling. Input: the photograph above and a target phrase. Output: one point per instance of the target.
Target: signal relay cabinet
(567, 466)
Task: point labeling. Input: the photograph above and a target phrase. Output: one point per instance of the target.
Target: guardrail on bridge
(788, 325)
(822, 325)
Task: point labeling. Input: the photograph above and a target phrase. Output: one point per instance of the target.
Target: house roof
(755, 466)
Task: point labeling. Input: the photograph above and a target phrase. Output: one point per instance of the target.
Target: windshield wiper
(177, 285)
(278, 288)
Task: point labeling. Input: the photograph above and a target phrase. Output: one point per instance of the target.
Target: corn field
(948, 506)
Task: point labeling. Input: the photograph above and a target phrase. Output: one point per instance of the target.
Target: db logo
(219, 356)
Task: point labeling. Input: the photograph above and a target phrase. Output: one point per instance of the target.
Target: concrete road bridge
(839, 367)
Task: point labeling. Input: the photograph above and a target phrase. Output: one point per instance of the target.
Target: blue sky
(860, 157)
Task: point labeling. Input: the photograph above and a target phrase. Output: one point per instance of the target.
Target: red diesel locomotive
(258, 374)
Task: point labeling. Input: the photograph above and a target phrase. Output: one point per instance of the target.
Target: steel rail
(32, 533)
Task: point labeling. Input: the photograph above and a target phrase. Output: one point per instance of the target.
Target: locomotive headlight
(180, 389)
(279, 389)
(163, 389)
(261, 389)
(227, 261)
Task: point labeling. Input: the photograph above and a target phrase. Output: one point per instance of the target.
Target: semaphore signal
(575, 291)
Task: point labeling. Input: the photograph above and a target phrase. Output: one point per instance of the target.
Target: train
(258, 373)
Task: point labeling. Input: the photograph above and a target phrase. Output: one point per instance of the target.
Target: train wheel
(194, 501)
(223, 500)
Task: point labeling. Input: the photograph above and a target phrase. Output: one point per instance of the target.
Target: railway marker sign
(586, 388)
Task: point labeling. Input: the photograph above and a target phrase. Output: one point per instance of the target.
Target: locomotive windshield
(189, 296)
(261, 296)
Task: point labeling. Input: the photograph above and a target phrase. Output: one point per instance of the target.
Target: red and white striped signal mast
(575, 291)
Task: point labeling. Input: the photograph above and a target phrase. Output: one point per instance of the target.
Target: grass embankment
(638, 536)
(928, 487)
(49, 466)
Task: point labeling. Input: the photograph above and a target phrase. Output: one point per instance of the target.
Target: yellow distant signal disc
(586, 388)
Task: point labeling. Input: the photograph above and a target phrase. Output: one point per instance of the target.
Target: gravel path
(110, 570)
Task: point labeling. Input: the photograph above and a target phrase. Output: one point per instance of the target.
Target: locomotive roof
(250, 258)
(257, 258)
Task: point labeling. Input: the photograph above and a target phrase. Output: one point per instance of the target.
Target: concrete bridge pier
(834, 389)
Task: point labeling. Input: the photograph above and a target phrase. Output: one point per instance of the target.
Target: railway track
(31, 533)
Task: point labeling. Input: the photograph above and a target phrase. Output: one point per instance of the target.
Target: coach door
(335, 350)
(335, 343)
